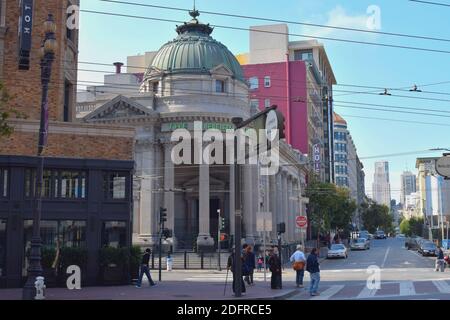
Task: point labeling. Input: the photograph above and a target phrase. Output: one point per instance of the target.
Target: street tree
(6, 111)
(376, 216)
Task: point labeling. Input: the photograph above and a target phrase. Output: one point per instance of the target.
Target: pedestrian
(249, 260)
(260, 263)
(275, 268)
(231, 266)
(145, 269)
(440, 262)
(312, 266)
(298, 260)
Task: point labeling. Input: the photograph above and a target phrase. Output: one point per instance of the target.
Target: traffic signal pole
(162, 218)
(218, 239)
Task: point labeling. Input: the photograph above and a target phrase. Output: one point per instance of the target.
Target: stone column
(291, 211)
(285, 201)
(273, 197)
(232, 202)
(147, 224)
(169, 184)
(204, 239)
(248, 205)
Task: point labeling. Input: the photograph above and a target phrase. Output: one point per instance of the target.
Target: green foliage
(376, 216)
(48, 256)
(331, 206)
(405, 227)
(114, 256)
(5, 112)
(73, 256)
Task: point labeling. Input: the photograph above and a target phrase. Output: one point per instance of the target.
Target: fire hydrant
(169, 263)
(40, 288)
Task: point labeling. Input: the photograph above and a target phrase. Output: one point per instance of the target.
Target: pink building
(296, 76)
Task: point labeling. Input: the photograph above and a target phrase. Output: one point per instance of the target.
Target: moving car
(380, 234)
(360, 244)
(427, 248)
(412, 243)
(337, 251)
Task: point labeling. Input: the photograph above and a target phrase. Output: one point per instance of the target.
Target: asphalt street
(403, 274)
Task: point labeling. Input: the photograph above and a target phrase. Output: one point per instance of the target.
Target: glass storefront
(55, 234)
(2, 247)
(114, 234)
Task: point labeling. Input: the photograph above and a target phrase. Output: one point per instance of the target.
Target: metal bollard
(40, 288)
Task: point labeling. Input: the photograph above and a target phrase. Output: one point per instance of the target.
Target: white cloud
(338, 17)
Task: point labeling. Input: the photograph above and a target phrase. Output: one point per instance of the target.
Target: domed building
(193, 81)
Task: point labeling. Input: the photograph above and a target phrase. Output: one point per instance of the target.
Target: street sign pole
(218, 239)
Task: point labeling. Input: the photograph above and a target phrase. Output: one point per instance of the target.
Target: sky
(107, 39)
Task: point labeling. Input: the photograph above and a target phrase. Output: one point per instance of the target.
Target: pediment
(120, 107)
(222, 70)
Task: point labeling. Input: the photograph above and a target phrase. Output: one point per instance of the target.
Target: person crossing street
(145, 269)
(312, 266)
(298, 260)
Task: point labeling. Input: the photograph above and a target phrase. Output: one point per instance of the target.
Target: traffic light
(281, 227)
(162, 215)
(222, 223)
(281, 124)
(167, 233)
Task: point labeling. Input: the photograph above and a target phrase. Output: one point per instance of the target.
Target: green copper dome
(195, 51)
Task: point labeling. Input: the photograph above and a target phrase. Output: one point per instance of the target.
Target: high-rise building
(298, 78)
(381, 187)
(433, 193)
(408, 185)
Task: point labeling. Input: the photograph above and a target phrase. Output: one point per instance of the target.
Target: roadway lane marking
(385, 257)
(327, 294)
(442, 286)
(407, 288)
(366, 293)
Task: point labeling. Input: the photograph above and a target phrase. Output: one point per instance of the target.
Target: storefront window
(115, 185)
(114, 234)
(57, 184)
(2, 247)
(3, 183)
(55, 234)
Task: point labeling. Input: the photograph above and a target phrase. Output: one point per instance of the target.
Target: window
(220, 86)
(254, 83)
(267, 82)
(2, 248)
(3, 183)
(68, 99)
(55, 234)
(115, 185)
(303, 54)
(114, 234)
(57, 184)
(267, 103)
(254, 104)
(155, 87)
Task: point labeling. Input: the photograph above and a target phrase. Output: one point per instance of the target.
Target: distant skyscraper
(408, 181)
(381, 188)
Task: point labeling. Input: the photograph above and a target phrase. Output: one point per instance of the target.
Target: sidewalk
(176, 285)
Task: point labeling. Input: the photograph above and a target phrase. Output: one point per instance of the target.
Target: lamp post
(47, 55)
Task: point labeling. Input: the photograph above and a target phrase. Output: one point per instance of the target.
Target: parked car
(412, 243)
(427, 248)
(370, 236)
(337, 251)
(360, 244)
(380, 234)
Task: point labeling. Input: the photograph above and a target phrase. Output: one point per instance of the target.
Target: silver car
(360, 244)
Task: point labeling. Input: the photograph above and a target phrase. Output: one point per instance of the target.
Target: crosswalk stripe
(442, 286)
(327, 294)
(407, 288)
(366, 293)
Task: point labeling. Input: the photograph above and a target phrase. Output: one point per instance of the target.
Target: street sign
(443, 166)
(264, 221)
(301, 221)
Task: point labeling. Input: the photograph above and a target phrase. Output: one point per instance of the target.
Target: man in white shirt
(298, 260)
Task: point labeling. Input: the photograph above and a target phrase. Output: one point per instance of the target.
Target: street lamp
(47, 55)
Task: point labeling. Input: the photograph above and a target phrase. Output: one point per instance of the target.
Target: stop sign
(301, 221)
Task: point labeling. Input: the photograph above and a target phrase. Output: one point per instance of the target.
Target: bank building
(195, 78)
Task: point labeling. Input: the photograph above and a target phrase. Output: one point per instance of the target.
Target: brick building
(87, 168)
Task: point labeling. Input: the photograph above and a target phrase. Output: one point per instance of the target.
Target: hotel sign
(316, 155)
(25, 29)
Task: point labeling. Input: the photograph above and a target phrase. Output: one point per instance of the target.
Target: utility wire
(280, 21)
(271, 32)
(426, 2)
